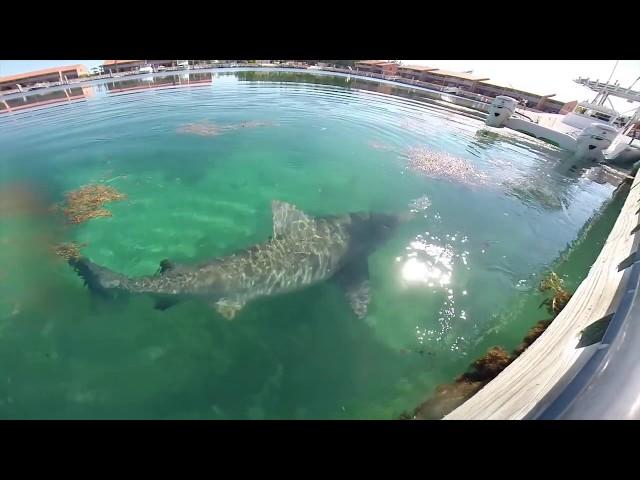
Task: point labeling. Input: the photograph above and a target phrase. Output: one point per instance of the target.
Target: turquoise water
(446, 283)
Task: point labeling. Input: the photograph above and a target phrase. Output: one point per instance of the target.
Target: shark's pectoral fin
(354, 280)
(359, 297)
(229, 307)
(286, 217)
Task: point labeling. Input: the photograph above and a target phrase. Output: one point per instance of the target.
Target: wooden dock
(523, 387)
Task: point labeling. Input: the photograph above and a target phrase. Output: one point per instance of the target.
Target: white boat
(591, 130)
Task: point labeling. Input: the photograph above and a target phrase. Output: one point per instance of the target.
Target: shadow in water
(300, 355)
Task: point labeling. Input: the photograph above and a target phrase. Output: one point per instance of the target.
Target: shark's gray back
(307, 253)
(302, 251)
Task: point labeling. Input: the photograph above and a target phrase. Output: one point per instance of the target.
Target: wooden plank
(523, 384)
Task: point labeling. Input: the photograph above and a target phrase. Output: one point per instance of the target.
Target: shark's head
(376, 228)
(383, 225)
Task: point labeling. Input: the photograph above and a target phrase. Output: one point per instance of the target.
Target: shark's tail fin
(98, 279)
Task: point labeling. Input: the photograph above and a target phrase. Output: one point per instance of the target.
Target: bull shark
(303, 251)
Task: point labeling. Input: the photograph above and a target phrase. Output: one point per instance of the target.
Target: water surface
(200, 165)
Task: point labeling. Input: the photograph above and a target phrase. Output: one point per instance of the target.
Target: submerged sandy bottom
(198, 185)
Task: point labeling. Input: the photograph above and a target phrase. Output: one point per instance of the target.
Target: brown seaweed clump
(560, 295)
(442, 165)
(207, 129)
(87, 202)
(532, 335)
(488, 366)
(69, 251)
(448, 397)
(204, 129)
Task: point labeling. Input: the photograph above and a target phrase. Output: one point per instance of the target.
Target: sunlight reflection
(428, 263)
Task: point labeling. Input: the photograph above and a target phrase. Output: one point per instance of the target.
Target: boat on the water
(39, 86)
(591, 130)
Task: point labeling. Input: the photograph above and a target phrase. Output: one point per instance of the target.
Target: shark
(302, 251)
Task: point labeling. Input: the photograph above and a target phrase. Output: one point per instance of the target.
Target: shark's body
(302, 251)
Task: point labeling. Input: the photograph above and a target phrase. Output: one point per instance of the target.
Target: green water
(457, 278)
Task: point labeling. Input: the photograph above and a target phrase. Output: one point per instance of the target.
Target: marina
(196, 171)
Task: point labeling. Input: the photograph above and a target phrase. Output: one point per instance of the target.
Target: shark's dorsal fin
(165, 265)
(286, 216)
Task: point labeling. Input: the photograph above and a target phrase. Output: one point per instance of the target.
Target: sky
(548, 76)
(538, 76)
(11, 67)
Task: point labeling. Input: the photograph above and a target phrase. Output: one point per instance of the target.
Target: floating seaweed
(87, 202)
(443, 165)
(488, 366)
(532, 335)
(560, 296)
(69, 251)
(448, 397)
(204, 129)
(551, 281)
(208, 129)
